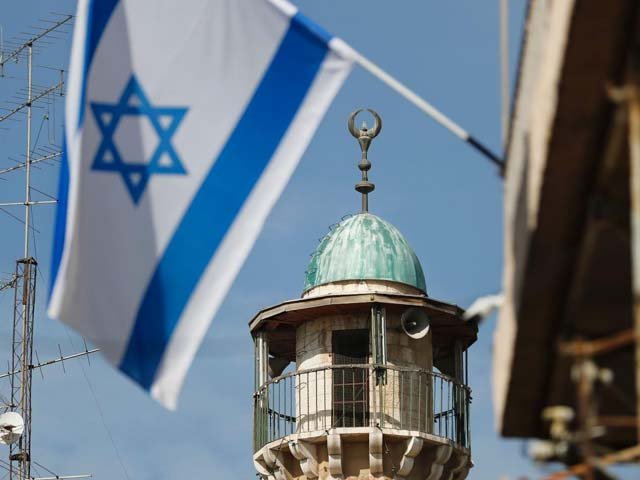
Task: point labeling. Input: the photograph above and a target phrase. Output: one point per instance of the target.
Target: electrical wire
(44, 468)
(51, 197)
(35, 469)
(35, 143)
(101, 413)
(14, 217)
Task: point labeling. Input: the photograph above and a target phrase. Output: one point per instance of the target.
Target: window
(350, 384)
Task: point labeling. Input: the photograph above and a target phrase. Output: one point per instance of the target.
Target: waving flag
(184, 122)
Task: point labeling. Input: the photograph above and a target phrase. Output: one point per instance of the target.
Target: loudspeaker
(415, 323)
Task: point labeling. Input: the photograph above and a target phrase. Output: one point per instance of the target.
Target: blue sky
(444, 197)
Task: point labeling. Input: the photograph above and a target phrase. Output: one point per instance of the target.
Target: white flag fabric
(184, 122)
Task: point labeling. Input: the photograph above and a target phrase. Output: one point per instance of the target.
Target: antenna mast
(24, 280)
(21, 353)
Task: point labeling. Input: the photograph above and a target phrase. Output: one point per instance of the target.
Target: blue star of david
(135, 172)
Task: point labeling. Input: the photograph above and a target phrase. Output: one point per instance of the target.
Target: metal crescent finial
(364, 136)
(352, 124)
(369, 132)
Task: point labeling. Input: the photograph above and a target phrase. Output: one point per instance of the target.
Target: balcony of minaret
(342, 391)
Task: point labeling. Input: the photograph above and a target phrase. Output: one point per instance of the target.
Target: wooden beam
(634, 158)
(598, 346)
(626, 455)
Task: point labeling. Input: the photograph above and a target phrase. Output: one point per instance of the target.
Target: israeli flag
(184, 122)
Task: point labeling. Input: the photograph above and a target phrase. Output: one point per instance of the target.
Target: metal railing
(338, 396)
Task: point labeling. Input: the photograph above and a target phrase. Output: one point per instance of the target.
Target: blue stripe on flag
(98, 15)
(221, 196)
(61, 217)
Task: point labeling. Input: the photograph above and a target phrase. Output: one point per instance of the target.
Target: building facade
(566, 353)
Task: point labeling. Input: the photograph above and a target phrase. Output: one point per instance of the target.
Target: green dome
(364, 247)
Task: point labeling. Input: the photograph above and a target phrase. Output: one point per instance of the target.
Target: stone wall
(404, 401)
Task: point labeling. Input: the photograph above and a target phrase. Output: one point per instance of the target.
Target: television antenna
(15, 423)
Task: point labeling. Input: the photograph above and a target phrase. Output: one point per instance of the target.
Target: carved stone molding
(274, 463)
(461, 470)
(334, 450)
(306, 454)
(262, 469)
(414, 446)
(422, 456)
(441, 457)
(376, 452)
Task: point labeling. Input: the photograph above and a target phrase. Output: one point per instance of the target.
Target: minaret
(365, 375)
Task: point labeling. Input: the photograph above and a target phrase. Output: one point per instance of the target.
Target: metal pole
(27, 352)
(1, 52)
(22, 349)
(51, 362)
(15, 204)
(586, 376)
(62, 477)
(27, 319)
(634, 171)
(14, 361)
(27, 200)
(23, 313)
(424, 106)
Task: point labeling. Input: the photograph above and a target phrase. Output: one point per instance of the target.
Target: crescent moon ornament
(364, 135)
(364, 131)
